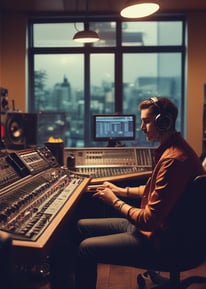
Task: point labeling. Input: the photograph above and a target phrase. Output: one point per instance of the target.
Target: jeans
(109, 241)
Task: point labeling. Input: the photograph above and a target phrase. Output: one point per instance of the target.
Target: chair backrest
(185, 240)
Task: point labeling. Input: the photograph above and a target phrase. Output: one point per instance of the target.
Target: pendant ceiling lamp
(139, 8)
(87, 35)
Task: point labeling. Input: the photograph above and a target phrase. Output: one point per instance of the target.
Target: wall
(196, 77)
(12, 58)
(0, 49)
(13, 68)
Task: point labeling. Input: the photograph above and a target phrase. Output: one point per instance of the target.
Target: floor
(118, 277)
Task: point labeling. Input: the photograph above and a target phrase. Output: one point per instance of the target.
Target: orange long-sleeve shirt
(176, 165)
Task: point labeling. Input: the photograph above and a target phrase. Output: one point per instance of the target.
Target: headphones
(163, 121)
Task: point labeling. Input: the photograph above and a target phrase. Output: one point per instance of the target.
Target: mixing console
(36, 192)
(104, 162)
(37, 195)
(33, 190)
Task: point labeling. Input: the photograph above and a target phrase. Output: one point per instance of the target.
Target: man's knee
(85, 248)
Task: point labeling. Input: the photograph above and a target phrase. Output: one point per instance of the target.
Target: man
(141, 231)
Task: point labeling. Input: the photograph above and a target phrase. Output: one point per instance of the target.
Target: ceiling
(94, 6)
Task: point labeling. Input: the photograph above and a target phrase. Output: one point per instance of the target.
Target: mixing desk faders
(33, 190)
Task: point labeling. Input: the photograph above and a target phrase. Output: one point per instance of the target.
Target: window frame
(118, 52)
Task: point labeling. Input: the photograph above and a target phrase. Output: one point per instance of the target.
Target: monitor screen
(114, 127)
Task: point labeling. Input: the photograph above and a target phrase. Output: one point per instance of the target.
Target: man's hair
(161, 105)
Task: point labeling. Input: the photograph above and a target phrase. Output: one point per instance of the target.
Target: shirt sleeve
(161, 194)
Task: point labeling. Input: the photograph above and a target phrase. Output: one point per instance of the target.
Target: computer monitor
(114, 128)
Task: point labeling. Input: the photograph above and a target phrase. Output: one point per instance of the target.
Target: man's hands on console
(107, 192)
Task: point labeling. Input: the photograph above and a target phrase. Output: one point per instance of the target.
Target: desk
(118, 178)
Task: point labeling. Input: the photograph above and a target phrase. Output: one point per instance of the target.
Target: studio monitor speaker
(20, 130)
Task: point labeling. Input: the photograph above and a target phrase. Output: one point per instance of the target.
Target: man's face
(148, 125)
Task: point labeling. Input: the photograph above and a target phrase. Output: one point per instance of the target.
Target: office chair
(188, 247)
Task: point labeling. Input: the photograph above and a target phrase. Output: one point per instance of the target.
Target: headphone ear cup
(163, 122)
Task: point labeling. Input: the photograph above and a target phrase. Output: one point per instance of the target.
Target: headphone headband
(163, 121)
(155, 101)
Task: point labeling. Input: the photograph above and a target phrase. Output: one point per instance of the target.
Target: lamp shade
(139, 8)
(86, 36)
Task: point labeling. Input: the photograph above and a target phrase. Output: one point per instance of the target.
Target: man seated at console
(129, 240)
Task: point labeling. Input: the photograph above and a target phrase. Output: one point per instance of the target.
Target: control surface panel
(104, 162)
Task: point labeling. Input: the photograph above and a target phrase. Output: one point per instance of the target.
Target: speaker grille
(20, 130)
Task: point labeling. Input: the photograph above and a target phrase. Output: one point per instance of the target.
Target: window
(133, 60)
(158, 74)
